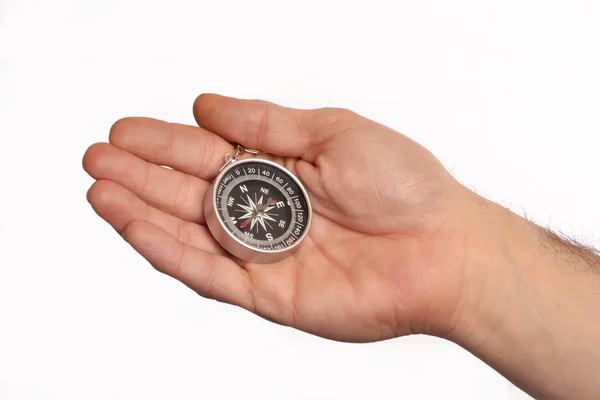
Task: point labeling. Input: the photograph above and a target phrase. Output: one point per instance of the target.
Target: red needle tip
(243, 225)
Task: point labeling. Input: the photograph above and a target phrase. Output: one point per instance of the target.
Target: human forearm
(531, 306)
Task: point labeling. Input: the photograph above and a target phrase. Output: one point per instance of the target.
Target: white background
(505, 93)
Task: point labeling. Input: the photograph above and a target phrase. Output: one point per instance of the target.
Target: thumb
(268, 127)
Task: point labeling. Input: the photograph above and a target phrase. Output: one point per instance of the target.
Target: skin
(397, 246)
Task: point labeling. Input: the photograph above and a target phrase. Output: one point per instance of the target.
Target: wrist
(524, 310)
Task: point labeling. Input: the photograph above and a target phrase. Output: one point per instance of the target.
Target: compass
(256, 209)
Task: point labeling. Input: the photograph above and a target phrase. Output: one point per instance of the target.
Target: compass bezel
(229, 241)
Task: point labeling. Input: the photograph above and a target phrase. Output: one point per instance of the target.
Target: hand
(396, 246)
(384, 256)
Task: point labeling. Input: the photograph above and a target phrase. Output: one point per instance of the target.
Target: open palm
(383, 254)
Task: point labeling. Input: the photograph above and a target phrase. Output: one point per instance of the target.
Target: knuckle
(336, 120)
(168, 146)
(257, 122)
(144, 185)
(182, 196)
(178, 265)
(209, 288)
(337, 113)
(208, 153)
(183, 233)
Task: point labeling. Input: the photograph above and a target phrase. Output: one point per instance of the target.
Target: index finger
(270, 127)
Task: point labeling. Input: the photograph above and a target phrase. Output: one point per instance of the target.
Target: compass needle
(262, 222)
(266, 216)
(248, 209)
(250, 202)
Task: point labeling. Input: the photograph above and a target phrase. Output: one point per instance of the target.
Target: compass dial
(262, 205)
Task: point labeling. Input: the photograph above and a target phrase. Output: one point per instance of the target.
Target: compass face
(262, 205)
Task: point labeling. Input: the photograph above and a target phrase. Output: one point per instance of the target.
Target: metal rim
(294, 178)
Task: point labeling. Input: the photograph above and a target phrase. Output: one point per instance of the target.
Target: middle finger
(189, 149)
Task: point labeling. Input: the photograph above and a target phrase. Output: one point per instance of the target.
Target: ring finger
(173, 192)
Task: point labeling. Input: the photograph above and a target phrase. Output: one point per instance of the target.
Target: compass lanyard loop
(239, 150)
